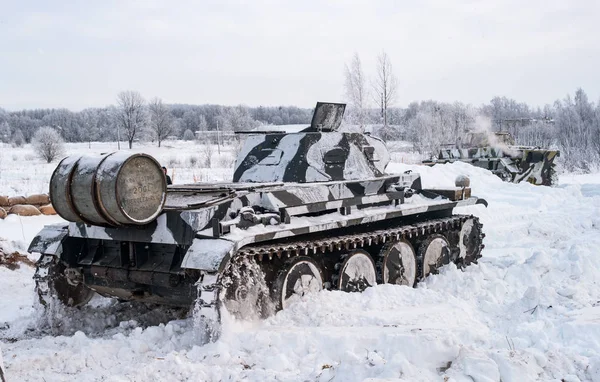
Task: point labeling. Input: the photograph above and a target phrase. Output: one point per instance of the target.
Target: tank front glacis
(304, 211)
(498, 154)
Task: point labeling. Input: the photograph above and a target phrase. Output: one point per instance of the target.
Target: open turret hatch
(327, 117)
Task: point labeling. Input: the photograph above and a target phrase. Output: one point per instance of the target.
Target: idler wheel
(299, 276)
(434, 252)
(399, 264)
(357, 272)
(470, 240)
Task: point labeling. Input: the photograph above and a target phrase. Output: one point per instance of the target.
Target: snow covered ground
(530, 310)
(22, 173)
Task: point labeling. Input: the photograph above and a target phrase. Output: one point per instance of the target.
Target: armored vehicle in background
(498, 153)
(305, 211)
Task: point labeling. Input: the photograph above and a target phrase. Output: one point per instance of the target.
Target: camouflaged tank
(501, 156)
(304, 211)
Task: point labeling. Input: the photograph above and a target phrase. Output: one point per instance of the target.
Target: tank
(305, 211)
(498, 153)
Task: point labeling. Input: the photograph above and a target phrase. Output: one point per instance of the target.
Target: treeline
(104, 124)
(571, 124)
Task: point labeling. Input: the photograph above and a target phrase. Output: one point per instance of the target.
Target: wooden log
(454, 193)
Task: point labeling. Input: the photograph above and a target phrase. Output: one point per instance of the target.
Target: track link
(42, 279)
(358, 240)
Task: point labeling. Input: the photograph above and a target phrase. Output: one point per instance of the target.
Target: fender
(49, 240)
(209, 255)
(482, 201)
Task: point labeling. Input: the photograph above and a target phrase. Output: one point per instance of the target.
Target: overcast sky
(81, 54)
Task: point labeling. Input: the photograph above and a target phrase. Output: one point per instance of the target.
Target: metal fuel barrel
(116, 189)
(83, 190)
(60, 189)
(131, 188)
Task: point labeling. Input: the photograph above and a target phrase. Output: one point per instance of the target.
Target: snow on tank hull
(306, 211)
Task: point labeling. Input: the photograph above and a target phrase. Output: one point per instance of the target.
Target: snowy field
(530, 310)
(22, 173)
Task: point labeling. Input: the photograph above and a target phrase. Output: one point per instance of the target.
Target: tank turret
(319, 153)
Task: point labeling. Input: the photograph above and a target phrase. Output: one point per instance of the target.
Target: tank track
(262, 253)
(42, 279)
(358, 240)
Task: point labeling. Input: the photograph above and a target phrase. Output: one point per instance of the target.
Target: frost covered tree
(356, 92)
(188, 135)
(66, 122)
(130, 114)
(238, 118)
(17, 138)
(4, 132)
(578, 134)
(431, 124)
(207, 153)
(161, 122)
(424, 132)
(384, 86)
(89, 130)
(48, 144)
(202, 124)
(193, 120)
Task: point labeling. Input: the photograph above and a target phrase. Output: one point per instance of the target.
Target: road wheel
(299, 276)
(357, 272)
(434, 252)
(399, 264)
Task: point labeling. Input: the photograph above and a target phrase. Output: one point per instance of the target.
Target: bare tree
(48, 144)
(384, 86)
(130, 113)
(356, 90)
(161, 122)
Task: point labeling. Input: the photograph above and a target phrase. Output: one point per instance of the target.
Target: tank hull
(162, 262)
